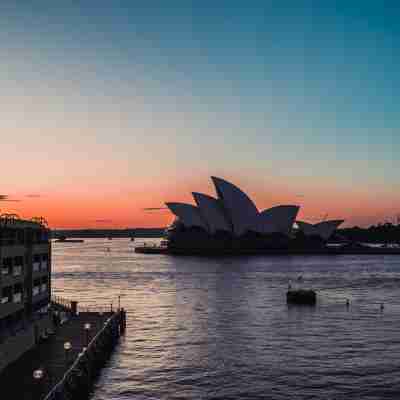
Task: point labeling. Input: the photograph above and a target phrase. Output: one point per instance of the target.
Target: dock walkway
(17, 380)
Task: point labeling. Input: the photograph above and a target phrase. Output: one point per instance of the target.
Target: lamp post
(87, 327)
(38, 379)
(67, 348)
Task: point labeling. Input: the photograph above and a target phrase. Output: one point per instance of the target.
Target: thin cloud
(6, 197)
(33, 196)
(103, 221)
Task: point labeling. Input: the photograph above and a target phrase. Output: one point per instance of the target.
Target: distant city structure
(25, 285)
(232, 220)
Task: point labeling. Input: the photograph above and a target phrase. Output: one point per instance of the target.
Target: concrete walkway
(17, 382)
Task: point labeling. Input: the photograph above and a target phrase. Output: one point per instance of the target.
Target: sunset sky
(112, 107)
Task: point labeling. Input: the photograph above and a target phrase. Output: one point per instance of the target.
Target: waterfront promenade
(51, 357)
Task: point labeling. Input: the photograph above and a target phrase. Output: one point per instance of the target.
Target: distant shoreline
(108, 233)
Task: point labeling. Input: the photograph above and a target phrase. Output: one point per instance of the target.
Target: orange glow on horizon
(123, 208)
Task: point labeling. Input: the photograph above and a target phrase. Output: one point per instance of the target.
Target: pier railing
(78, 379)
(62, 302)
(77, 307)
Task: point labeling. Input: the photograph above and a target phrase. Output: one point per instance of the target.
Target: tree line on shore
(381, 233)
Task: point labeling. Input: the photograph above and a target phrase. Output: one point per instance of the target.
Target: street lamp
(38, 379)
(87, 327)
(67, 348)
(37, 374)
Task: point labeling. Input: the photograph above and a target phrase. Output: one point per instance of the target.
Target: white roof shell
(188, 214)
(324, 229)
(212, 212)
(242, 211)
(277, 219)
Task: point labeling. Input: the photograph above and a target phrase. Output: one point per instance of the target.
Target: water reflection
(220, 328)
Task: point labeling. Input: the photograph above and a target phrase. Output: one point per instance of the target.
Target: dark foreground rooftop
(17, 381)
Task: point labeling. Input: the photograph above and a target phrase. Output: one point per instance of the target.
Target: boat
(63, 239)
(301, 296)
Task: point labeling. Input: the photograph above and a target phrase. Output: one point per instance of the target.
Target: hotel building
(25, 286)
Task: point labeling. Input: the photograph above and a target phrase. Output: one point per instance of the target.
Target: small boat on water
(63, 239)
(301, 296)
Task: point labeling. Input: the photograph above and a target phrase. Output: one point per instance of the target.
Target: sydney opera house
(231, 220)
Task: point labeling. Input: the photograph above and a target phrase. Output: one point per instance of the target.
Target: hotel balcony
(43, 288)
(5, 270)
(5, 300)
(44, 266)
(36, 266)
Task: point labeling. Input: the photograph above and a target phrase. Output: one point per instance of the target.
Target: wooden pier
(65, 364)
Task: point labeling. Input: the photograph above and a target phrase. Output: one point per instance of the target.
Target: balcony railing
(17, 297)
(17, 270)
(36, 266)
(43, 287)
(4, 300)
(5, 271)
(35, 290)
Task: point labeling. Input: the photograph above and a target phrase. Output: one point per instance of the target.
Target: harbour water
(203, 328)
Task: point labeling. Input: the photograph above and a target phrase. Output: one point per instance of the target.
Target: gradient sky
(115, 106)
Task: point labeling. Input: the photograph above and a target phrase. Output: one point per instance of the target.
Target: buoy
(382, 306)
(347, 302)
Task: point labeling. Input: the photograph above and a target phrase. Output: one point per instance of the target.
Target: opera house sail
(238, 206)
(212, 212)
(231, 220)
(323, 230)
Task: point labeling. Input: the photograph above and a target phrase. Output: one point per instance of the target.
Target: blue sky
(296, 91)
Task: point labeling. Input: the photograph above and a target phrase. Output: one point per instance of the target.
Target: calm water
(203, 328)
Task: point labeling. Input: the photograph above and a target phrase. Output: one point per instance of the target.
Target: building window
(19, 260)
(8, 236)
(6, 267)
(20, 236)
(36, 287)
(18, 265)
(37, 236)
(44, 261)
(43, 287)
(18, 290)
(36, 262)
(6, 294)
